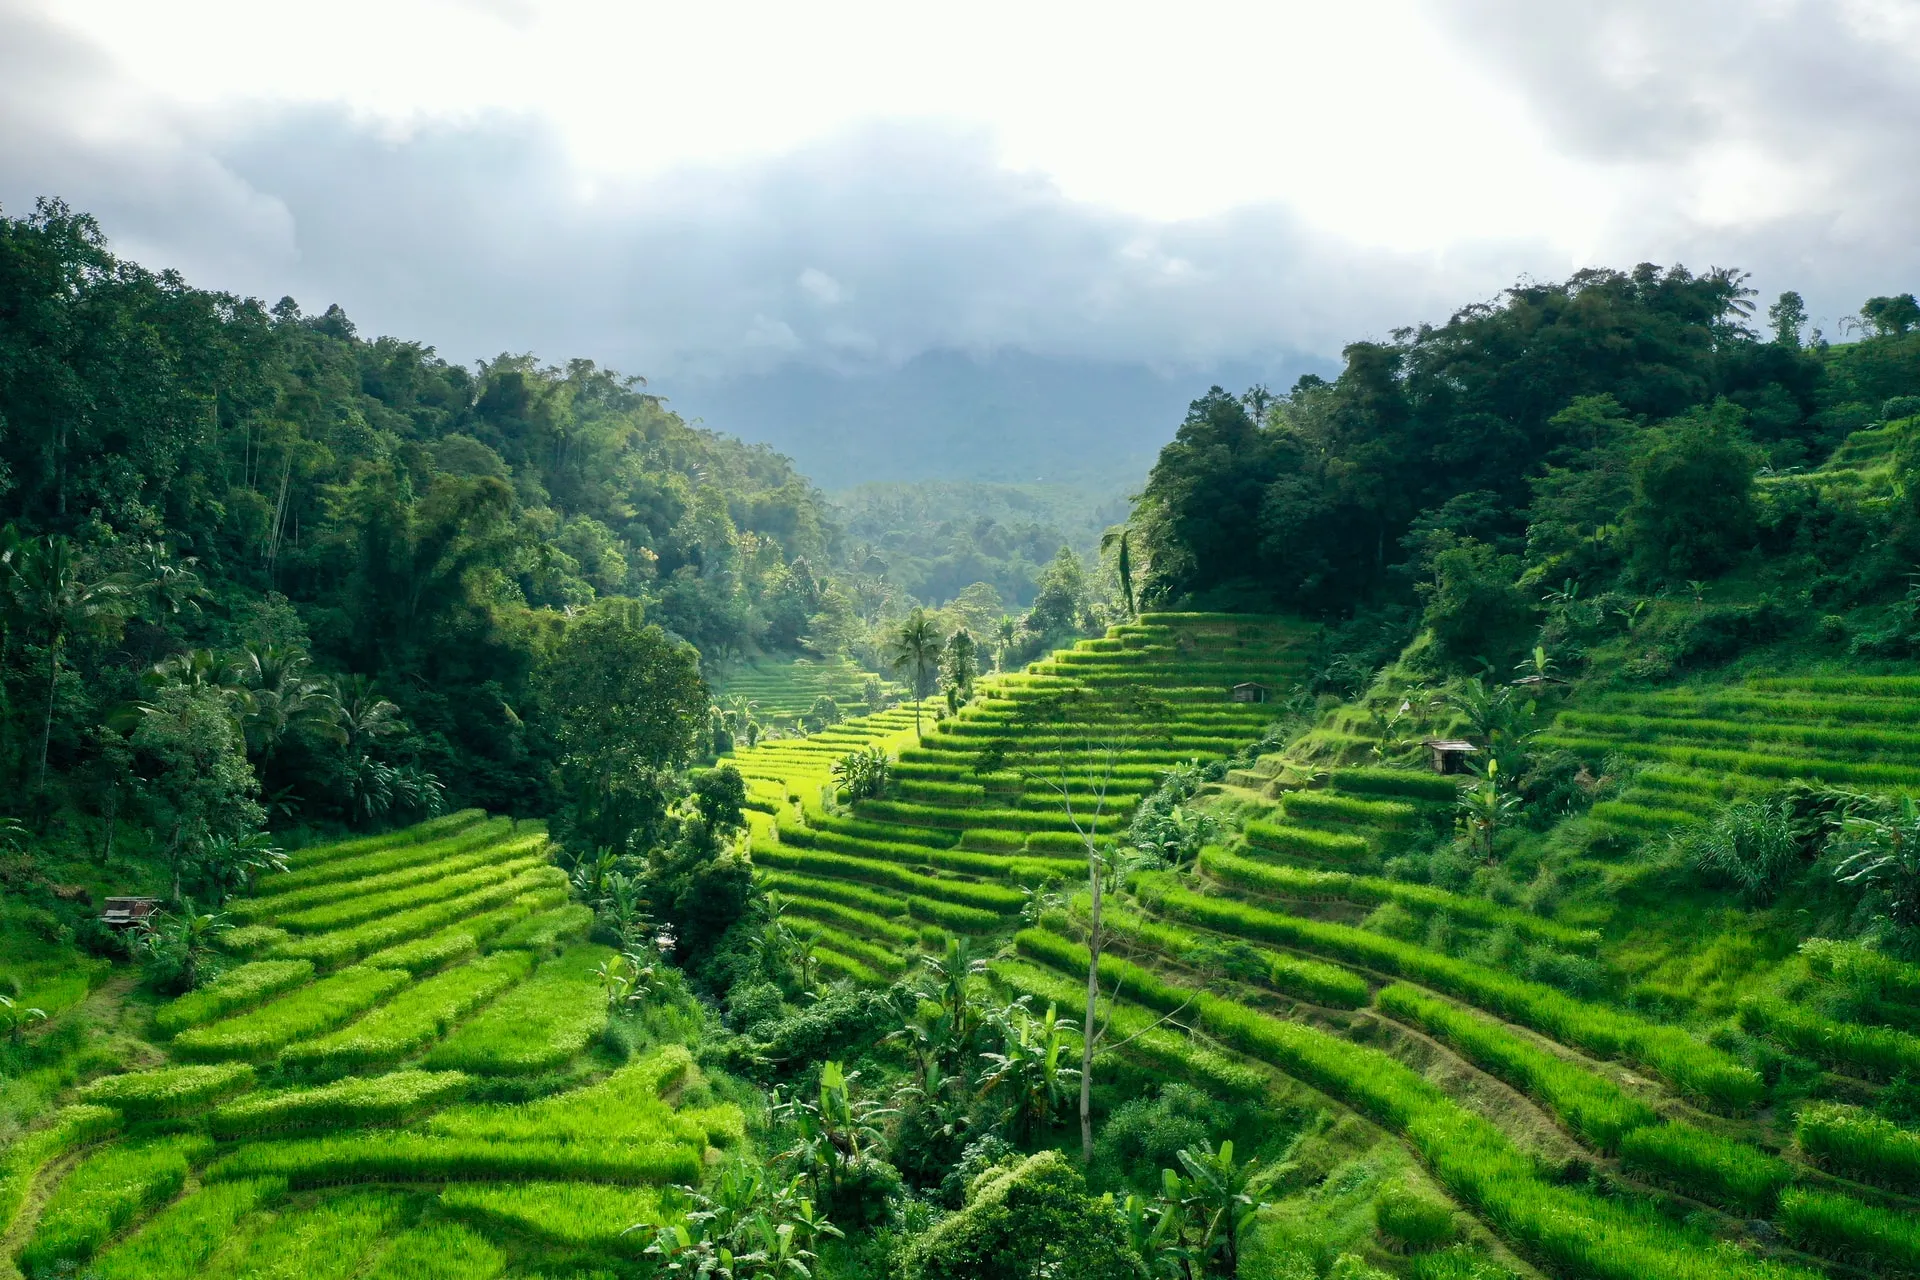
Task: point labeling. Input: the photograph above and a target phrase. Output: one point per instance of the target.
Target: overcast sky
(715, 191)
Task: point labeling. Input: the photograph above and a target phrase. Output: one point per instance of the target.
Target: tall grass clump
(169, 1091)
(1868, 972)
(1844, 1228)
(1722, 1171)
(1416, 1221)
(177, 1243)
(536, 1026)
(1750, 846)
(236, 989)
(307, 1012)
(104, 1193)
(1860, 1144)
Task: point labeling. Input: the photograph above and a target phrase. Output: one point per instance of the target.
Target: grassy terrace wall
(785, 691)
(321, 1120)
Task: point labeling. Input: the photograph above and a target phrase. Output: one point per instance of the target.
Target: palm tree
(915, 649)
(1123, 561)
(51, 593)
(1004, 631)
(277, 696)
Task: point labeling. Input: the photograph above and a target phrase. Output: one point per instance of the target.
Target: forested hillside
(1459, 824)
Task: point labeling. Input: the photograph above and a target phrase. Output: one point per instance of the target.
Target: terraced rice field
(957, 843)
(1256, 969)
(1704, 746)
(785, 691)
(325, 1113)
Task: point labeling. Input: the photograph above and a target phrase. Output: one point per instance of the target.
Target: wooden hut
(1449, 755)
(124, 913)
(1250, 691)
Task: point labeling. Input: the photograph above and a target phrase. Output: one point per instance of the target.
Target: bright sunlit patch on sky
(1359, 117)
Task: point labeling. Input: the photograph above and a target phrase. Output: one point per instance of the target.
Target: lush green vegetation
(914, 901)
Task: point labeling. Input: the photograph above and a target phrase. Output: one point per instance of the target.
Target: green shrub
(1842, 1227)
(309, 1011)
(1859, 1144)
(1414, 1220)
(1707, 1166)
(352, 1103)
(232, 991)
(105, 1192)
(1028, 1219)
(536, 1026)
(177, 1243)
(169, 1091)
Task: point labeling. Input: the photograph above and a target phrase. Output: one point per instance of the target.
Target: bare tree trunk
(1093, 996)
(46, 725)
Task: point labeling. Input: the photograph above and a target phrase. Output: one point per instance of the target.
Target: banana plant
(15, 1018)
(1030, 1067)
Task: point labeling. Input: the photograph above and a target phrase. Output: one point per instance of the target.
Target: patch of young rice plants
(356, 1102)
(1172, 1054)
(549, 929)
(1311, 980)
(948, 915)
(1589, 1104)
(536, 1026)
(1752, 763)
(252, 939)
(1694, 1066)
(180, 1239)
(626, 1106)
(878, 960)
(360, 908)
(104, 1193)
(1325, 806)
(1342, 886)
(1570, 1231)
(980, 897)
(400, 1156)
(334, 892)
(1720, 1170)
(23, 1159)
(1860, 1144)
(411, 1020)
(342, 946)
(169, 1091)
(328, 1240)
(578, 1215)
(234, 990)
(850, 919)
(1406, 783)
(421, 833)
(979, 864)
(382, 860)
(1307, 842)
(831, 961)
(309, 1011)
(1877, 1053)
(1842, 1227)
(435, 951)
(438, 1251)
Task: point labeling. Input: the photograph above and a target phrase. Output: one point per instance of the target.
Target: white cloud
(821, 287)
